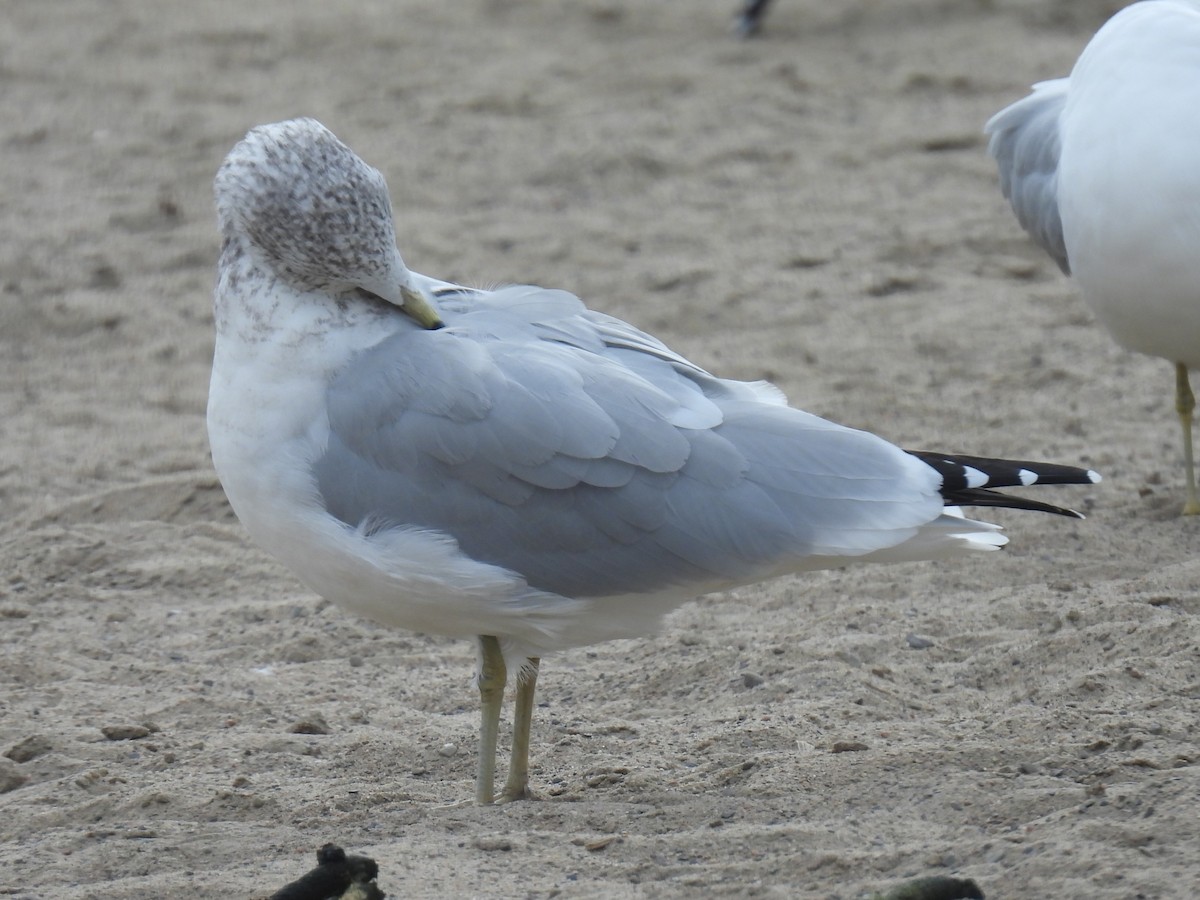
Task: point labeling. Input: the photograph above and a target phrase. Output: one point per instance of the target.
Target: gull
(507, 465)
(1102, 168)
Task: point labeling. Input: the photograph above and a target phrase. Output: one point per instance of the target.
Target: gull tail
(972, 480)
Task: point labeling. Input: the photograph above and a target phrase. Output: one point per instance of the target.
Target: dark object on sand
(336, 877)
(937, 887)
(749, 20)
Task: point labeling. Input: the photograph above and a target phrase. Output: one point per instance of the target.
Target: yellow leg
(517, 785)
(1185, 402)
(492, 676)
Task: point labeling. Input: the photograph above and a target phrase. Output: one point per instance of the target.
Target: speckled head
(311, 210)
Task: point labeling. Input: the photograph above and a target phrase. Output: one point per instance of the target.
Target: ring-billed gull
(1102, 169)
(532, 474)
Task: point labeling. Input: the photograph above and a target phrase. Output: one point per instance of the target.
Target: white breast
(1129, 179)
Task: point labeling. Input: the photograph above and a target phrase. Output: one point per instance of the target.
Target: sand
(180, 718)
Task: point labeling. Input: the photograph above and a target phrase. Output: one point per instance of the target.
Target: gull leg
(1185, 402)
(749, 20)
(517, 785)
(492, 676)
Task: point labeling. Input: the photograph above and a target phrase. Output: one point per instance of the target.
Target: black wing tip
(960, 470)
(972, 480)
(981, 497)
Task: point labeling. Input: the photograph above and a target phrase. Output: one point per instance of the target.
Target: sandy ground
(814, 207)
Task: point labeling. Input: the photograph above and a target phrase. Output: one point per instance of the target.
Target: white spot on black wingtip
(1094, 477)
(1027, 477)
(975, 477)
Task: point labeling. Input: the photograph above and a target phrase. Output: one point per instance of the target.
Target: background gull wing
(594, 461)
(1025, 143)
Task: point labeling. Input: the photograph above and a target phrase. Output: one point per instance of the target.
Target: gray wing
(594, 468)
(1025, 143)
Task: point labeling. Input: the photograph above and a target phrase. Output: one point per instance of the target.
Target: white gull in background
(508, 465)
(1103, 170)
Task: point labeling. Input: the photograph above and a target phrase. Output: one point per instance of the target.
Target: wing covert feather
(1025, 143)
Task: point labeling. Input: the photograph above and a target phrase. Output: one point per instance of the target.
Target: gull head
(314, 214)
